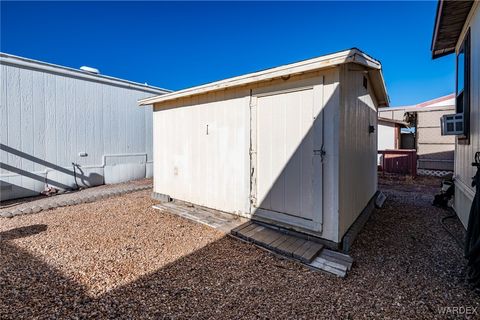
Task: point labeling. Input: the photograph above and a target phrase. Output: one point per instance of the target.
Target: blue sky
(181, 44)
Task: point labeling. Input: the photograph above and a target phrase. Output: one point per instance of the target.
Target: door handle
(319, 152)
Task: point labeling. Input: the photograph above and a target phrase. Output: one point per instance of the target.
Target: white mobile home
(294, 146)
(62, 128)
(457, 30)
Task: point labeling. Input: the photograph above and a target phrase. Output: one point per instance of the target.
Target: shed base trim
(358, 224)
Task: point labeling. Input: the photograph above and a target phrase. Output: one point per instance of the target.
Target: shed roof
(347, 56)
(9, 59)
(449, 22)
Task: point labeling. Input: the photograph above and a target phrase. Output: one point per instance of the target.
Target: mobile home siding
(435, 152)
(49, 116)
(464, 154)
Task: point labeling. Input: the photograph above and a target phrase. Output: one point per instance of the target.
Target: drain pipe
(75, 174)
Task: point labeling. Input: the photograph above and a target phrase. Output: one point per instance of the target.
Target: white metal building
(294, 145)
(54, 118)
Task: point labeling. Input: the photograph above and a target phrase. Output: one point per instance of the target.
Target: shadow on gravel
(22, 232)
(406, 266)
(31, 288)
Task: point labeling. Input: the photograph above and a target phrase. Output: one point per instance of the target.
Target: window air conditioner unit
(452, 124)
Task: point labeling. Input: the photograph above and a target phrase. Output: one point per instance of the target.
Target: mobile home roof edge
(352, 55)
(403, 123)
(9, 59)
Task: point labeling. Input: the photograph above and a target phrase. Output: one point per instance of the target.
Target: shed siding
(208, 166)
(48, 118)
(358, 147)
(214, 170)
(386, 135)
(464, 154)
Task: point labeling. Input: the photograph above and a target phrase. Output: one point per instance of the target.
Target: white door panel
(285, 127)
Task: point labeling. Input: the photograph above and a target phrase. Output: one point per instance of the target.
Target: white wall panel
(386, 136)
(48, 118)
(206, 168)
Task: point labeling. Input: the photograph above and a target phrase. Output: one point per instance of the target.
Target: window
(462, 99)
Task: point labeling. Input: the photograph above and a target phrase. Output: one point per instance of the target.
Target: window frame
(466, 48)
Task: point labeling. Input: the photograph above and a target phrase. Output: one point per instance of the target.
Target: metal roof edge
(353, 55)
(392, 121)
(435, 26)
(9, 59)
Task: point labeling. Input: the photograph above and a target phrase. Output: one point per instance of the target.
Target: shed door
(287, 165)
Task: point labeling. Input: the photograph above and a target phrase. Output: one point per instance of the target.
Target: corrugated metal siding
(464, 154)
(48, 118)
(358, 147)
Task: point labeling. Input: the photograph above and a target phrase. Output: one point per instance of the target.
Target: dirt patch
(119, 258)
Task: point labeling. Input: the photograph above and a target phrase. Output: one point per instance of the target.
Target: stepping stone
(36, 209)
(6, 214)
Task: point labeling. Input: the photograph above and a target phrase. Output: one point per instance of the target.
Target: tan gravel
(119, 258)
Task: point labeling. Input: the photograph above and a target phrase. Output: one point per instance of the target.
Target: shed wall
(464, 154)
(47, 119)
(386, 136)
(213, 169)
(358, 147)
(201, 150)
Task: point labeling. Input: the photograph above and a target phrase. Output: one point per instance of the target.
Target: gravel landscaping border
(71, 199)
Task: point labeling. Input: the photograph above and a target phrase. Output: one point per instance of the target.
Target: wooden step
(308, 252)
(333, 262)
(277, 241)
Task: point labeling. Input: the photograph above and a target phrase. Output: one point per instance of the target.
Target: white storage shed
(62, 128)
(294, 146)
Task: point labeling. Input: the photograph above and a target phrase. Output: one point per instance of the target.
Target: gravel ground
(119, 258)
(11, 205)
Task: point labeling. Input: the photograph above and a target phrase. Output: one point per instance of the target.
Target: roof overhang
(393, 121)
(323, 62)
(449, 22)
